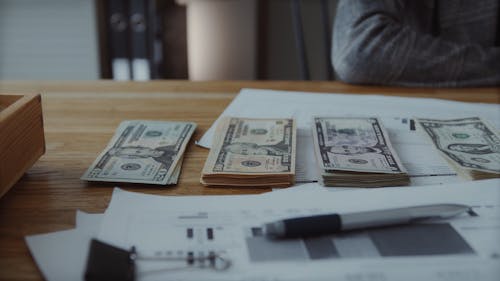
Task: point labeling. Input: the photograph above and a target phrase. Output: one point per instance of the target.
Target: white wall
(48, 39)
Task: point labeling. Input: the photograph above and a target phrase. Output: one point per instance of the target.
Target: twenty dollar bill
(252, 152)
(143, 152)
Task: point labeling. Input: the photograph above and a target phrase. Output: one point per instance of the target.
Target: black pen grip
(312, 226)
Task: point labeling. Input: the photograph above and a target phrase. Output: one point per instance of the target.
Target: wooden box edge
(29, 108)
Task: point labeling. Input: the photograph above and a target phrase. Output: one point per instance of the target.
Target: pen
(334, 223)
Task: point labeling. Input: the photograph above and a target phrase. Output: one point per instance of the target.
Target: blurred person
(433, 43)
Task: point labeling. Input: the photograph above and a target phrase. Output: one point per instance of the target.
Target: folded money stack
(143, 152)
(470, 145)
(356, 152)
(252, 152)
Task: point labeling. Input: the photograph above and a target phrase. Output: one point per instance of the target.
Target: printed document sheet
(425, 166)
(466, 246)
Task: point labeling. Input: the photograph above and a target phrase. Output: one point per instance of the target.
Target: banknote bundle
(356, 152)
(147, 152)
(252, 152)
(470, 145)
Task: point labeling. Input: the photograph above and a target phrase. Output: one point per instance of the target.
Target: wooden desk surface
(81, 117)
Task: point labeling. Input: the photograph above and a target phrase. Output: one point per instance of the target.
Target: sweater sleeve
(374, 44)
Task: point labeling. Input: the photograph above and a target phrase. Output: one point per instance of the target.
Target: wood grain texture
(81, 117)
(21, 137)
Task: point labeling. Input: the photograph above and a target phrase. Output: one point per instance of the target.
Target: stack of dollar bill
(252, 152)
(148, 152)
(356, 152)
(470, 145)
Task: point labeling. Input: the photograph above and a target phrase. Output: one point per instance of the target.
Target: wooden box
(22, 139)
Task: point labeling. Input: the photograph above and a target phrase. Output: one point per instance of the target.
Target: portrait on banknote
(471, 148)
(245, 148)
(163, 154)
(351, 150)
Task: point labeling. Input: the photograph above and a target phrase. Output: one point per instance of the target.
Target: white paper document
(425, 166)
(62, 255)
(466, 247)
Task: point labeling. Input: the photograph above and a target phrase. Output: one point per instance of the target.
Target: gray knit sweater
(445, 43)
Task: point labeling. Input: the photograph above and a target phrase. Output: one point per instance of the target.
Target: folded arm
(373, 45)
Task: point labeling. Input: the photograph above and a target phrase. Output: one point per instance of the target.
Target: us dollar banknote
(354, 144)
(469, 143)
(253, 146)
(143, 152)
(252, 152)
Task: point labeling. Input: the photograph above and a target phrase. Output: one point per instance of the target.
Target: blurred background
(166, 39)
